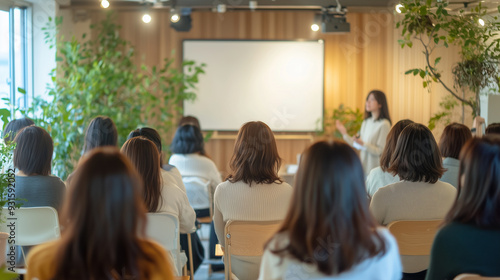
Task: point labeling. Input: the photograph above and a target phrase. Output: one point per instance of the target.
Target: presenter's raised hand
(340, 127)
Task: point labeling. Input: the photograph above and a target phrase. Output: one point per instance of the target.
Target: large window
(15, 57)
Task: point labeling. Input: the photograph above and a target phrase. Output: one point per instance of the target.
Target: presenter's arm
(381, 137)
(341, 128)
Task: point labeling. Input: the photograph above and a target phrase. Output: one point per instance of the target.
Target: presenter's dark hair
(329, 205)
(454, 137)
(14, 126)
(493, 128)
(188, 140)
(33, 152)
(478, 193)
(255, 157)
(145, 157)
(101, 132)
(103, 218)
(190, 120)
(390, 144)
(384, 109)
(151, 134)
(417, 157)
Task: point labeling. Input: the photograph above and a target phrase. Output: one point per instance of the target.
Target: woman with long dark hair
(329, 231)
(103, 221)
(469, 242)
(374, 129)
(379, 176)
(419, 195)
(253, 191)
(158, 196)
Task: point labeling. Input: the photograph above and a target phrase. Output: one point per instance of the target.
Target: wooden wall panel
(366, 58)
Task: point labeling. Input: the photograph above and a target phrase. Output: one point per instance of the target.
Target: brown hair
(329, 206)
(452, 140)
(478, 193)
(33, 152)
(390, 145)
(416, 157)
(144, 155)
(102, 217)
(101, 132)
(189, 120)
(255, 157)
(493, 128)
(384, 109)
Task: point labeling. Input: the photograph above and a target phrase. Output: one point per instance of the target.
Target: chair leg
(190, 249)
(24, 257)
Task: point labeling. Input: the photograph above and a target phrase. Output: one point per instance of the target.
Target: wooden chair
(414, 237)
(246, 238)
(467, 276)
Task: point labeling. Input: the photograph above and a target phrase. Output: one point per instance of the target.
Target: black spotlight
(184, 22)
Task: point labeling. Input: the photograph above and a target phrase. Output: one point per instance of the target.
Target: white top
(197, 166)
(406, 200)
(377, 179)
(373, 134)
(241, 202)
(174, 177)
(384, 267)
(175, 202)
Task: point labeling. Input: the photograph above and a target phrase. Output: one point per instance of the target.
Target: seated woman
(452, 140)
(158, 196)
(253, 191)
(168, 172)
(329, 232)
(200, 174)
(33, 159)
(100, 132)
(378, 176)
(419, 195)
(469, 241)
(103, 219)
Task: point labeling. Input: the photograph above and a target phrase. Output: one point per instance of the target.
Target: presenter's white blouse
(374, 134)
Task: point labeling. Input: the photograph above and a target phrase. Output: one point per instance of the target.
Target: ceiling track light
(105, 4)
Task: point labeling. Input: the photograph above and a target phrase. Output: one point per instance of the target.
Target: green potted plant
(98, 76)
(474, 32)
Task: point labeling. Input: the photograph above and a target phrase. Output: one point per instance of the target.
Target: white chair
(198, 191)
(164, 229)
(33, 225)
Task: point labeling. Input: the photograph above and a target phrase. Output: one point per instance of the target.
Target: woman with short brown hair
(103, 222)
(454, 137)
(419, 195)
(253, 191)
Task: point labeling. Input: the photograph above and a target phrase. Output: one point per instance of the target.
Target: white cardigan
(174, 201)
(374, 134)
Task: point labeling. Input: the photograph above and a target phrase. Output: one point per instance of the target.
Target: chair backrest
(198, 191)
(164, 229)
(414, 237)
(467, 276)
(33, 225)
(247, 238)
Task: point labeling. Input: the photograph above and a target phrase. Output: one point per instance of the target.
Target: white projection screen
(277, 82)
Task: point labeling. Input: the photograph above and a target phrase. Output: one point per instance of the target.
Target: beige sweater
(412, 201)
(239, 201)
